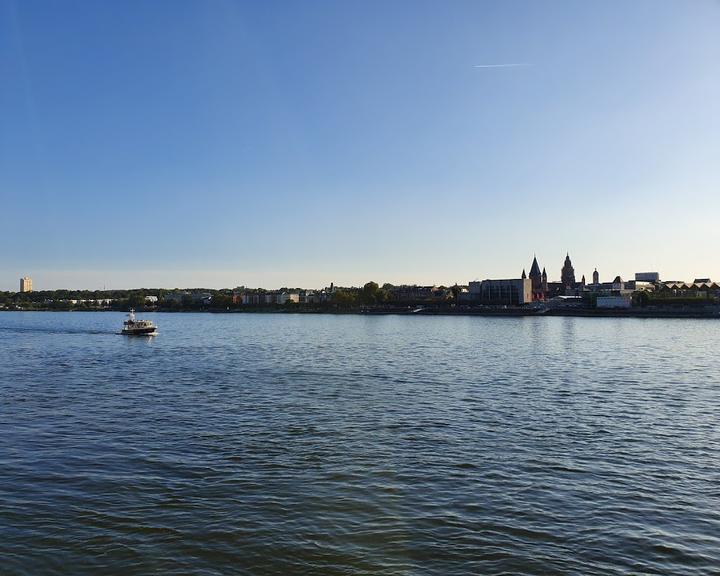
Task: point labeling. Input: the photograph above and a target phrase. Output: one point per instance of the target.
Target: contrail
(512, 65)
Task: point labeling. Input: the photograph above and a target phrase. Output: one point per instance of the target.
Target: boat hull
(138, 331)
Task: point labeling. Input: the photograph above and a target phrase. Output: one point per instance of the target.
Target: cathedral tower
(538, 281)
(567, 276)
(535, 275)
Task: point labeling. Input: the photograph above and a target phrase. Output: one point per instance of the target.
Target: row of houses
(404, 293)
(279, 297)
(415, 293)
(699, 288)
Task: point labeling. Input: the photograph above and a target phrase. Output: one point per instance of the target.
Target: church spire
(535, 268)
(523, 274)
(535, 275)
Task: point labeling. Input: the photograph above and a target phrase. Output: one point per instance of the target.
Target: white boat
(134, 327)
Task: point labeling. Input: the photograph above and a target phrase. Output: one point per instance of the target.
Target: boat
(134, 327)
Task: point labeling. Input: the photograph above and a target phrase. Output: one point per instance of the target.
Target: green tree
(221, 301)
(455, 291)
(369, 293)
(343, 298)
(641, 299)
(136, 300)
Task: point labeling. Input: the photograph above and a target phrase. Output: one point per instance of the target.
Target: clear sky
(217, 143)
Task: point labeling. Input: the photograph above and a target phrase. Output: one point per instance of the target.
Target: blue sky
(301, 143)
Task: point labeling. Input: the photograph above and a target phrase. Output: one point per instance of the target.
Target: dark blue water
(311, 444)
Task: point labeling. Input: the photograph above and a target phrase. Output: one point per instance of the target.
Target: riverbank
(696, 313)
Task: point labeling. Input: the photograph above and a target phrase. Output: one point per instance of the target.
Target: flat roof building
(501, 292)
(26, 284)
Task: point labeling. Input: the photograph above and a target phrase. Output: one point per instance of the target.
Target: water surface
(320, 444)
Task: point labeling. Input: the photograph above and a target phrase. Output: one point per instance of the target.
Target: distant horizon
(216, 280)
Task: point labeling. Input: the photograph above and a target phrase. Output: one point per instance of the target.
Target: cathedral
(542, 289)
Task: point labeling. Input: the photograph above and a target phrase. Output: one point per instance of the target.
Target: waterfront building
(26, 284)
(553, 289)
(566, 302)
(708, 290)
(615, 294)
(618, 301)
(285, 297)
(411, 293)
(647, 277)
(248, 298)
(511, 292)
(538, 281)
(260, 297)
(313, 296)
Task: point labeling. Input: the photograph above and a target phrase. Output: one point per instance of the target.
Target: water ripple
(295, 444)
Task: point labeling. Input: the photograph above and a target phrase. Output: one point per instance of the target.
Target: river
(370, 445)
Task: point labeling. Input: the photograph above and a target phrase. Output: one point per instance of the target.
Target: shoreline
(712, 314)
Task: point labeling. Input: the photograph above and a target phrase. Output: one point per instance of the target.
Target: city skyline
(527, 271)
(188, 144)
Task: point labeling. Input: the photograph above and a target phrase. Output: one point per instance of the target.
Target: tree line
(370, 294)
